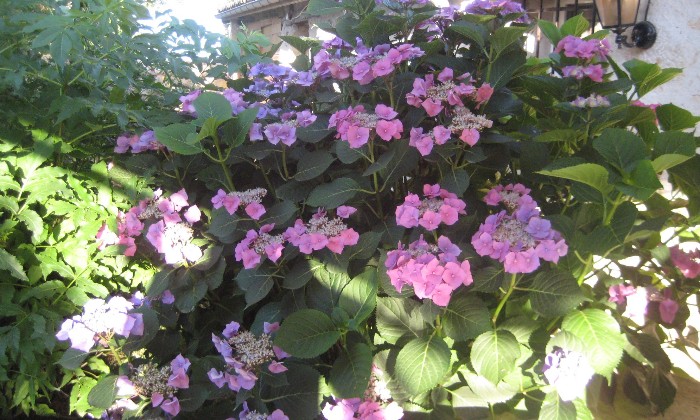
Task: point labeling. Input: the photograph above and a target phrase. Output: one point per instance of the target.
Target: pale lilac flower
(188, 102)
(569, 372)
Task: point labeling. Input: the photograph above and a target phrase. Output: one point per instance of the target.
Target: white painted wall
(677, 45)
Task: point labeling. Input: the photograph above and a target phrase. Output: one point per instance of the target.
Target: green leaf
(620, 148)
(575, 26)
(280, 213)
(186, 298)
(359, 297)
(504, 67)
(212, 105)
(236, 130)
(346, 154)
(494, 353)
(482, 392)
(180, 138)
(323, 7)
(313, 164)
(257, 283)
(315, 132)
(326, 286)
(33, 222)
(487, 279)
(550, 30)
(300, 44)
(471, 31)
(223, 225)
(643, 181)
(301, 397)
(422, 363)
(397, 317)
(590, 174)
(505, 37)
(567, 135)
(465, 317)
(673, 118)
(554, 408)
(404, 161)
(601, 333)
(60, 48)
(307, 333)
(10, 263)
(300, 274)
(161, 281)
(381, 163)
(554, 293)
(350, 373)
(455, 181)
(672, 148)
(334, 194)
(103, 394)
(72, 359)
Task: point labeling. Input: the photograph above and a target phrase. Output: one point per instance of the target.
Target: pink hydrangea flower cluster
(468, 125)
(432, 270)
(251, 199)
(99, 321)
(518, 237)
(499, 8)
(637, 302)
(188, 102)
(450, 91)
(687, 262)
(376, 403)
(158, 384)
(575, 47)
(257, 244)
(245, 355)
(248, 414)
(355, 126)
(424, 142)
(284, 131)
(593, 101)
(323, 232)
(366, 64)
(170, 235)
(438, 206)
(137, 143)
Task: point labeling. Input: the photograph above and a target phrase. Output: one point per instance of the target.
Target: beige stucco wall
(677, 45)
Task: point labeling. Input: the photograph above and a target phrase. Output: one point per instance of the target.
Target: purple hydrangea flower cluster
(499, 8)
(424, 142)
(248, 414)
(450, 91)
(99, 321)
(518, 237)
(375, 404)
(593, 101)
(257, 244)
(366, 65)
(251, 199)
(323, 232)
(170, 235)
(438, 206)
(137, 143)
(158, 384)
(432, 270)
(284, 131)
(587, 52)
(245, 355)
(436, 25)
(568, 371)
(355, 126)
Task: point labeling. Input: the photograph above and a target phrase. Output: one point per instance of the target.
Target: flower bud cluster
(158, 383)
(593, 101)
(376, 404)
(450, 91)
(245, 355)
(366, 65)
(438, 206)
(321, 232)
(247, 414)
(284, 131)
(468, 125)
(256, 244)
(354, 125)
(99, 321)
(518, 237)
(500, 8)
(432, 270)
(170, 235)
(137, 143)
(251, 199)
(568, 371)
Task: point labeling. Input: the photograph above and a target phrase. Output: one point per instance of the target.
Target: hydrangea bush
(414, 219)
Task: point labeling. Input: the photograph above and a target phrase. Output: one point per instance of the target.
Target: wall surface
(677, 45)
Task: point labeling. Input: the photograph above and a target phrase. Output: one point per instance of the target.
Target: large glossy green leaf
(601, 333)
(333, 194)
(494, 353)
(301, 397)
(554, 293)
(212, 105)
(313, 164)
(307, 333)
(180, 138)
(359, 297)
(103, 394)
(590, 174)
(350, 373)
(620, 148)
(397, 317)
(10, 263)
(672, 117)
(422, 363)
(554, 408)
(465, 317)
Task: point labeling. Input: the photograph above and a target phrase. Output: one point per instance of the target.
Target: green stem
(284, 162)
(502, 303)
(222, 162)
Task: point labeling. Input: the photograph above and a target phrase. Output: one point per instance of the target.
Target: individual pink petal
(277, 367)
(345, 211)
(255, 210)
(470, 136)
(193, 214)
(171, 407)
